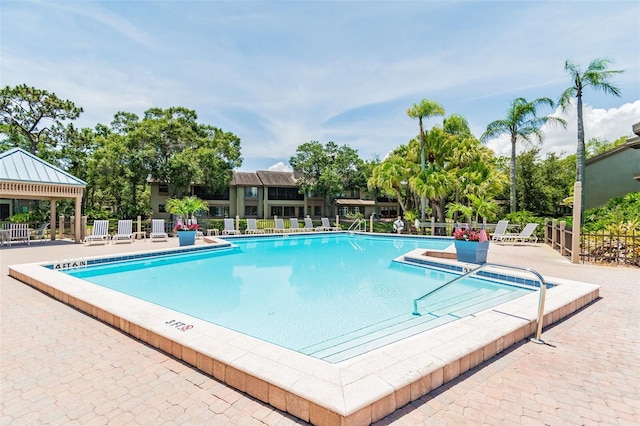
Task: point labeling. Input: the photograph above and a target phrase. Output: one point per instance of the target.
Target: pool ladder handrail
(543, 292)
(357, 224)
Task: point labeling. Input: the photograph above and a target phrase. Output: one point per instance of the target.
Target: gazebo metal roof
(18, 165)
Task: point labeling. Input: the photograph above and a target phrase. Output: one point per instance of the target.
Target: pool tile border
(354, 392)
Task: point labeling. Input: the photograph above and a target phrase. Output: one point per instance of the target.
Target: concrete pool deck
(61, 366)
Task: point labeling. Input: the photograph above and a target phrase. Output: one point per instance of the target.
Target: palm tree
(424, 109)
(597, 76)
(521, 124)
(391, 176)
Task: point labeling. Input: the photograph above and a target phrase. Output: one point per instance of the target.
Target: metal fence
(622, 248)
(611, 248)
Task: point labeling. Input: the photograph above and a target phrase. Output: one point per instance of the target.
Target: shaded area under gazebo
(24, 176)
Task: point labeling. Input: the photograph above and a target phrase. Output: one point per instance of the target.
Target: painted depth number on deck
(179, 325)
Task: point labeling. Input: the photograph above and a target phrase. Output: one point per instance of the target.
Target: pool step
(392, 330)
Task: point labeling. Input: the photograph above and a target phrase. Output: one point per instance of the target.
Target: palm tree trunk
(580, 152)
(423, 199)
(512, 173)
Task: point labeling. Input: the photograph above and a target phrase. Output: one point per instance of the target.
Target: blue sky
(282, 73)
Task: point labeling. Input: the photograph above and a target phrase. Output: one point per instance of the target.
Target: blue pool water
(329, 296)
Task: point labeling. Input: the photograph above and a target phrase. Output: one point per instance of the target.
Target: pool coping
(360, 390)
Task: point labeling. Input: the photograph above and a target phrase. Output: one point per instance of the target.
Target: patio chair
(308, 224)
(40, 233)
(524, 236)
(100, 233)
(124, 234)
(279, 226)
(230, 227)
(326, 226)
(252, 227)
(500, 230)
(295, 226)
(158, 232)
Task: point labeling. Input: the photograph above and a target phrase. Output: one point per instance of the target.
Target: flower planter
(472, 251)
(187, 238)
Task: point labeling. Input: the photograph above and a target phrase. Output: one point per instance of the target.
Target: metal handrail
(357, 224)
(543, 292)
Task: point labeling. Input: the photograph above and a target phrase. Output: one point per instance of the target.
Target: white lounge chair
(124, 234)
(295, 226)
(501, 229)
(100, 233)
(279, 226)
(158, 232)
(524, 236)
(308, 224)
(252, 227)
(230, 227)
(326, 226)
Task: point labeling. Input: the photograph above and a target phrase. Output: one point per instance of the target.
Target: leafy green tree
(425, 109)
(186, 207)
(598, 76)
(327, 171)
(179, 150)
(596, 146)
(522, 124)
(34, 119)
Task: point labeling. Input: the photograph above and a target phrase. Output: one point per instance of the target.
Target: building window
(285, 194)
(250, 211)
(388, 212)
(317, 210)
(163, 189)
(276, 210)
(289, 211)
(161, 208)
(250, 192)
(219, 211)
(202, 193)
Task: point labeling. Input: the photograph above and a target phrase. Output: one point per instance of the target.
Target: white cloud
(280, 167)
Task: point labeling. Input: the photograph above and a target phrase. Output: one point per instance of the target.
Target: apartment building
(264, 194)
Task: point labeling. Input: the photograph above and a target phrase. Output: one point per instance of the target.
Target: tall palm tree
(521, 124)
(424, 109)
(597, 76)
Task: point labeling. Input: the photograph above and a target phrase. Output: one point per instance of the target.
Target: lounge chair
(326, 226)
(500, 230)
(124, 234)
(252, 227)
(279, 226)
(524, 236)
(157, 231)
(100, 233)
(308, 224)
(295, 226)
(40, 233)
(230, 227)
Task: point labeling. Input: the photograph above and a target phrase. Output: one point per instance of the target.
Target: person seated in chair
(398, 225)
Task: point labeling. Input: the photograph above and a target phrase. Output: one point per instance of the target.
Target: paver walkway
(59, 366)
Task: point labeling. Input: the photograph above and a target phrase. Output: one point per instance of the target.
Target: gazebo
(26, 177)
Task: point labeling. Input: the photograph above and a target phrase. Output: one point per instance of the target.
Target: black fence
(611, 248)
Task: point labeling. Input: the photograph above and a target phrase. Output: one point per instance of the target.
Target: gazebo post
(52, 218)
(78, 213)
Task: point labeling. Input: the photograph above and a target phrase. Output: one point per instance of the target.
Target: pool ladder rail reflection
(543, 292)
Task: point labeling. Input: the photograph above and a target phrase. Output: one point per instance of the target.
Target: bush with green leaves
(620, 214)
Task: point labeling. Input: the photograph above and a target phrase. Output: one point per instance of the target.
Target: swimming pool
(332, 296)
(358, 391)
